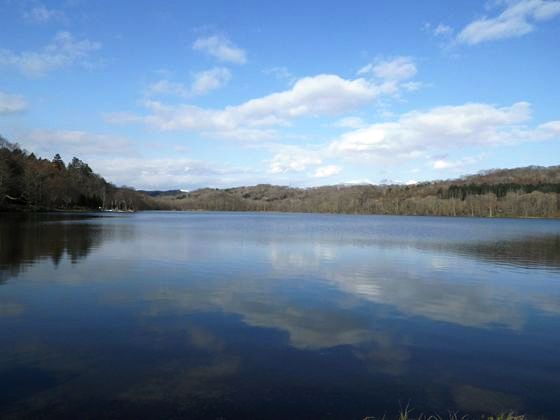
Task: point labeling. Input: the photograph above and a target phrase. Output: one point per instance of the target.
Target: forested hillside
(31, 183)
(521, 192)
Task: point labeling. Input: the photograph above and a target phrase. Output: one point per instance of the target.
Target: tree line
(499, 190)
(30, 182)
(464, 197)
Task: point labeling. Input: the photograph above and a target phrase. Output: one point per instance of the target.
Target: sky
(189, 94)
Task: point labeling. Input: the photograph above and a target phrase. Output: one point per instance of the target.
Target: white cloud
(166, 87)
(416, 133)
(412, 86)
(350, 122)
(210, 79)
(280, 73)
(320, 95)
(394, 75)
(549, 130)
(458, 164)
(243, 134)
(41, 14)
(70, 143)
(221, 48)
(326, 171)
(363, 181)
(443, 30)
(10, 104)
(324, 94)
(518, 19)
(165, 173)
(442, 164)
(293, 159)
(203, 82)
(121, 118)
(63, 51)
(396, 69)
(190, 174)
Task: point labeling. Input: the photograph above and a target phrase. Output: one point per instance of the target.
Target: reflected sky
(274, 315)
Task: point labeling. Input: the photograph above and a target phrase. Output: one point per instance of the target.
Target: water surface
(244, 315)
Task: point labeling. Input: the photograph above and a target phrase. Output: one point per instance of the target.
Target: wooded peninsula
(31, 183)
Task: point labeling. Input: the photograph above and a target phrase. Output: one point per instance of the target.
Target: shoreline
(97, 211)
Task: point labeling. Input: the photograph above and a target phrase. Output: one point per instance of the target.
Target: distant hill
(532, 191)
(158, 193)
(31, 183)
(526, 175)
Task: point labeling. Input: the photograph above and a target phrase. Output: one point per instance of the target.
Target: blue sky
(176, 94)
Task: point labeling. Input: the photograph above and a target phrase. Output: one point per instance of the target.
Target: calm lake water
(244, 315)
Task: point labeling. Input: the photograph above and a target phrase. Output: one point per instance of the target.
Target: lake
(250, 315)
